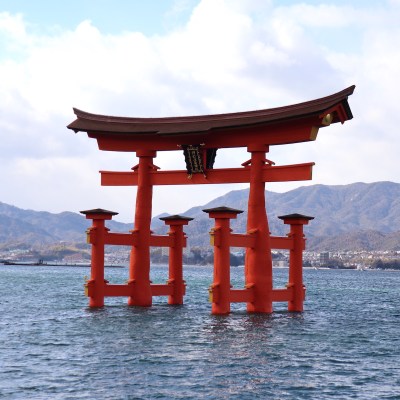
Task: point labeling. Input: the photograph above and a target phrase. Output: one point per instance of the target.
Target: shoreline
(55, 264)
(52, 264)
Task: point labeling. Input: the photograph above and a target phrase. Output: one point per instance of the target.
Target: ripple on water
(345, 344)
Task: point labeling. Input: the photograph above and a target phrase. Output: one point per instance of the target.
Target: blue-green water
(346, 345)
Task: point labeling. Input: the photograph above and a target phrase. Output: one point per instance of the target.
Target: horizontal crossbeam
(282, 294)
(131, 239)
(241, 295)
(129, 290)
(281, 173)
(281, 242)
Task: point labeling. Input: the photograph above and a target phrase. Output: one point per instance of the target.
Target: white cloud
(12, 26)
(230, 56)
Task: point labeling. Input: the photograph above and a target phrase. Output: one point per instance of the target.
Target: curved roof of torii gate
(290, 124)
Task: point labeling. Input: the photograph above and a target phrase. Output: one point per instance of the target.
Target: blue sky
(109, 16)
(185, 57)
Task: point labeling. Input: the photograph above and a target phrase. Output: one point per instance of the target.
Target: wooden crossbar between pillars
(221, 237)
(221, 293)
(269, 173)
(97, 288)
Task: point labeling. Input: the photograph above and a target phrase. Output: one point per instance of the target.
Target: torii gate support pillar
(175, 272)
(296, 222)
(220, 235)
(95, 286)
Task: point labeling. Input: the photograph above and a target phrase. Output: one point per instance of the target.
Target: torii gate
(199, 137)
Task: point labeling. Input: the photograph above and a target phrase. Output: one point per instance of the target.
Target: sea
(345, 345)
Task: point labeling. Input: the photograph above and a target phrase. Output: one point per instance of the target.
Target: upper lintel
(127, 134)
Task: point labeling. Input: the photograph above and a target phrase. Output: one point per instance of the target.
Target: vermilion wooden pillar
(175, 277)
(220, 238)
(96, 233)
(296, 222)
(258, 262)
(139, 268)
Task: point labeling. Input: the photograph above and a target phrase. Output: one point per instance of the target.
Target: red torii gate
(199, 137)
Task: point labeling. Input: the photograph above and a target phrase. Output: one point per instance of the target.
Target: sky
(166, 58)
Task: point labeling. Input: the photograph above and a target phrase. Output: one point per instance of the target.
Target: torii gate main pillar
(139, 267)
(258, 261)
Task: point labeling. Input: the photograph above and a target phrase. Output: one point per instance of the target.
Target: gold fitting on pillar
(212, 236)
(210, 294)
(213, 293)
(215, 237)
(88, 287)
(90, 235)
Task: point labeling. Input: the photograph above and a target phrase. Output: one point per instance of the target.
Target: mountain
(356, 241)
(34, 228)
(359, 216)
(338, 210)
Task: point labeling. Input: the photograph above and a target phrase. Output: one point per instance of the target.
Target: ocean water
(345, 345)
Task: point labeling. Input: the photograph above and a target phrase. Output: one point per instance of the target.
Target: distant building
(279, 264)
(324, 258)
